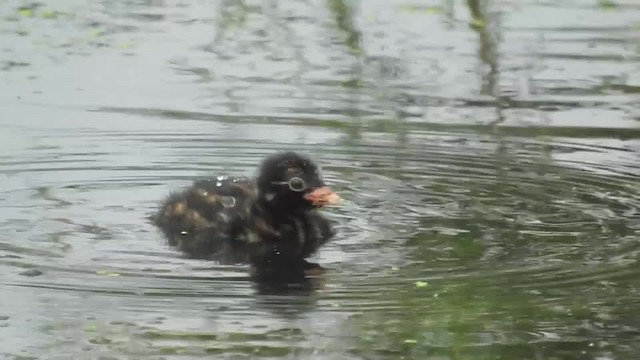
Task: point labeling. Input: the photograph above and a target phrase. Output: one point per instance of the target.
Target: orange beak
(323, 196)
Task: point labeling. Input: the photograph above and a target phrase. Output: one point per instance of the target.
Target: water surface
(489, 155)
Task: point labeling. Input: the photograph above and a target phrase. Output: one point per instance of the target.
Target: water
(490, 172)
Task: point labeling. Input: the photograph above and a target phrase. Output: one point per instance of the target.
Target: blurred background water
(489, 152)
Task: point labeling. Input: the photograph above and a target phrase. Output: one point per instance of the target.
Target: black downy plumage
(270, 222)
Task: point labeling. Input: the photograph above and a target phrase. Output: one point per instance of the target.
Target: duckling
(270, 222)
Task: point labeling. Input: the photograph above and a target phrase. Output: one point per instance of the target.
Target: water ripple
(490, 176)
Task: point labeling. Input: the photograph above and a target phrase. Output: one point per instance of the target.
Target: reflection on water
(488, 152)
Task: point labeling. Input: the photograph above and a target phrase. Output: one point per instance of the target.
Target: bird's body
(271, 222)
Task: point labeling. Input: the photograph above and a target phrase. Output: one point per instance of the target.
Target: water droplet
(228, 201)
(184, 233)
(218, 183)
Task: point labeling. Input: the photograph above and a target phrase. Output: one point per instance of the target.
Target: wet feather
(261, 221)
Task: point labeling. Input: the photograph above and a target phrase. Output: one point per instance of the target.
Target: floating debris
(49, 14)
(107, 273)
(123, 45)
(31, 272)
(607, 4)
(26, 12)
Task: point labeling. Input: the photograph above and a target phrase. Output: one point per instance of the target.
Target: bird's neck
(273, 213)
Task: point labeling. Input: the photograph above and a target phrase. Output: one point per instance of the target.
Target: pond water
(489, 155)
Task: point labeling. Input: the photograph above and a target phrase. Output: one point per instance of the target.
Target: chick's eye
(297, 184)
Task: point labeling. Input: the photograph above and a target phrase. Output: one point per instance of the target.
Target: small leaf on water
(422, 9)
(410, 341)
(107, 273)
(433, 9)
(25, 12)
(607, 4)
(49, 14)
(478, 23)
(421, 284)
(100, 340)
(91, 328)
